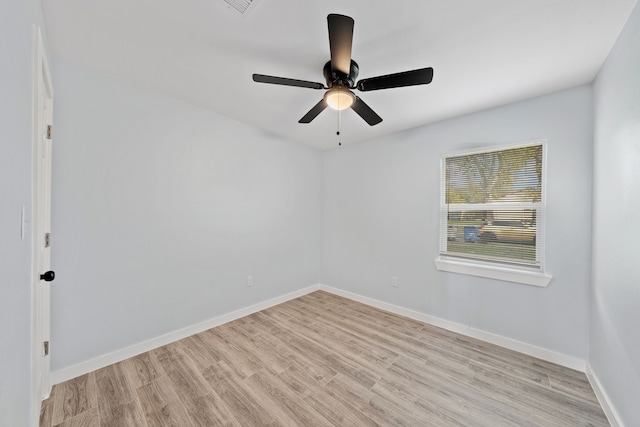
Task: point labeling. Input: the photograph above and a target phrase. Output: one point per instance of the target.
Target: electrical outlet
(249, 281)
(394, 281)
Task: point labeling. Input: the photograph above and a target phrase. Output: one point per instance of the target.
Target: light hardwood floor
(322, 360)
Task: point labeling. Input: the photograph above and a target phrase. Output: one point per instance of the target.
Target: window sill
(526, 277)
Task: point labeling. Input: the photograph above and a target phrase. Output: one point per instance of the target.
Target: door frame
(42, 105)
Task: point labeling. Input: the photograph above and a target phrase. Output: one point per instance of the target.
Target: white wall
(16, 19)
(160, 212)
(615, 340)
(381, 213)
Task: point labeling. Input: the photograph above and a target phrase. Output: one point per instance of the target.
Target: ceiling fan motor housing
(337, 78)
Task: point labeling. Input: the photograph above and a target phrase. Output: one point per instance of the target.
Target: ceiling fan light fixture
(339, 98)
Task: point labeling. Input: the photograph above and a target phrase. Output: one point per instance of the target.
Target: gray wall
(16, 56)
(615, 310)
(381, 219)
(162, 209)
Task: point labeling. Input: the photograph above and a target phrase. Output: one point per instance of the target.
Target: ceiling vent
(242, 6)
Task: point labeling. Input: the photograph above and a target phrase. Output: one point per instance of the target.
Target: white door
(42, 274)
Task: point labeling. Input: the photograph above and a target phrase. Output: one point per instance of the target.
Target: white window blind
(491, 206)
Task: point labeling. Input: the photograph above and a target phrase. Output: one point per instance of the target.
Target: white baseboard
(99, 362)
(519, 346)
(603, 398)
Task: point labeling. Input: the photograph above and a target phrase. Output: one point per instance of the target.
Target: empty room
(338, 213)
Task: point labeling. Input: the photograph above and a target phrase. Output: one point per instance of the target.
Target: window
(491, 214)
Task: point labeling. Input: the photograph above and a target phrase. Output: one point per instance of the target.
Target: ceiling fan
(341, 72)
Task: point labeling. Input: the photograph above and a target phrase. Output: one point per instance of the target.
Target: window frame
(495, 269)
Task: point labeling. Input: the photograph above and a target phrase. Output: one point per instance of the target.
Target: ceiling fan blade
(366, 112)
(421, 76)
(317, 109)
(261, 78)
(340, 42)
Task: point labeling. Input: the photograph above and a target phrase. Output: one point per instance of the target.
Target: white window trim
(533, 275)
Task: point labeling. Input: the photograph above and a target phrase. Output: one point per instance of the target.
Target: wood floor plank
(161, 404)
(113, 390)
(238, 397)
(274, 361)
(46, 410)
(74, 397)
(278, 399)
(201, 351)
(126, 415)
(573, 383)
(252, 344)
(172, 414)
(302, 385)
(358, 398)
(307, 353)
(450, 393)
(324, 360)
(142, 369)
(210, 410)
(87, 418)
(242, 351)
(396, 410)
(558, 408)
(186, 379)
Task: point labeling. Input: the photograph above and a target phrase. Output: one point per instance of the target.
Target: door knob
(48, 276)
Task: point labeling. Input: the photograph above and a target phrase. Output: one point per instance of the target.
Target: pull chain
(338, 131)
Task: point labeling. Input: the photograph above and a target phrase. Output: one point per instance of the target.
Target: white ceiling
(484, 53)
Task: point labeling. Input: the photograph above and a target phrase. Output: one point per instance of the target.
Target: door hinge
(47, 240)
(46, 348)
(49, 131)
